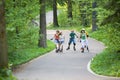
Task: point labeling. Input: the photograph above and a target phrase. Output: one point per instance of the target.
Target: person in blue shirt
(72, 40)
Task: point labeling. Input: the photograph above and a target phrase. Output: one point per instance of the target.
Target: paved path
(69, 65)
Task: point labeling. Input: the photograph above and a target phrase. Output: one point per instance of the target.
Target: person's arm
(53, 37)
(80, 37)
(76, 35)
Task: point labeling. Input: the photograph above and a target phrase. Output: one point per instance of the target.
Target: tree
(94, 17)
(55, 19)
(69, 6)
(42, 31)
(3, 44)
(113, 21)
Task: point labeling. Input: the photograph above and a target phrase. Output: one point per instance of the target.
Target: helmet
(82, 30)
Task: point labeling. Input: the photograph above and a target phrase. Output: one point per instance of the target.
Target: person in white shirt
(62, 40)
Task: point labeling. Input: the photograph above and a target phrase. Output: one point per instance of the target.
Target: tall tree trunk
(69, 3)
(55, 19)
(3, 44)
(42, 32)
(94, 17)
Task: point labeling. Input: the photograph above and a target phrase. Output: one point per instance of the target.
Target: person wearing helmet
(72, 39)
(83, 39)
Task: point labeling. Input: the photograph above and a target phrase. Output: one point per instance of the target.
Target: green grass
(101, 35)
(108, 62)
(24, 55)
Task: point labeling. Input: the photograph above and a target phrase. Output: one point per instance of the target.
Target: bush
(6, 74)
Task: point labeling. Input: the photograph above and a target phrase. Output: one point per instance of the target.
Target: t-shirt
(72, 35)
(62, 37)
(83, 36)
(56, 36)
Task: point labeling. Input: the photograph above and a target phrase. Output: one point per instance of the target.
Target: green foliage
(25, 37)
(65, 23)
(101, 34)
(22, 35)
(6, 74)
(107, 63)
(20, 13)
(114, 37)
(109, 35)
(24, 48)
(24, 55)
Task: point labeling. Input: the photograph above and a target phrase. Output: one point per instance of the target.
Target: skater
(83, 40)
(62, 39)
(56, 40)
(72, 39)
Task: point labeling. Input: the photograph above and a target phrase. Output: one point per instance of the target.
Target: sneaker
(68, 48)
(57, 50)
(61, 50)
(82, 50)
(88, 49)
(74, 48)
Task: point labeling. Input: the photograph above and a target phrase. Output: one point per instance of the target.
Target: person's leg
(57, 45)
(61, 48)
(83, 45)
(86, 43)
(74, 44)
(69, 43)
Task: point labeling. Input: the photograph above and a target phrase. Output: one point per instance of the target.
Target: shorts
(72, 40)
(56, 41)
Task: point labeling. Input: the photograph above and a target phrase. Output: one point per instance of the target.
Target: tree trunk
(3, 44)
(42, 32)
(70, 9)
(94, 17)
(55, 19)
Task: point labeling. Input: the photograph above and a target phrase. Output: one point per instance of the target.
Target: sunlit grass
(24, 55)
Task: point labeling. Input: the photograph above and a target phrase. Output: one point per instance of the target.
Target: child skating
(56, 40)
(72, 40)
(62, 39)
(83, 40)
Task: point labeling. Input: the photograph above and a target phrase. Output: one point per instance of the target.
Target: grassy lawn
(24, 55)
(108, 62)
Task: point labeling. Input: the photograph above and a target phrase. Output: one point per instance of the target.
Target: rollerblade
(82, 50)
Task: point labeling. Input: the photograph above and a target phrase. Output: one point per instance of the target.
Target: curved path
(69, 65)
